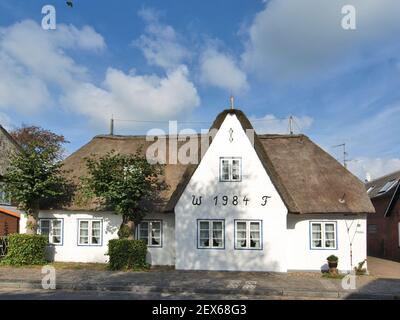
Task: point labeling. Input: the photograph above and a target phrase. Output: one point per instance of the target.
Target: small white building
(248, 202)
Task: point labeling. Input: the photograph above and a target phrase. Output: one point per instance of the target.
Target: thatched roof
(307, 178)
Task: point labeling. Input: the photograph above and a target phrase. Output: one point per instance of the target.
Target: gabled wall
(254, 185)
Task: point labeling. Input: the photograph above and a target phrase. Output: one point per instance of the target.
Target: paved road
(31, 294)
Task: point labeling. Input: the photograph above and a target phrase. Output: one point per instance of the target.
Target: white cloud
(291, 39)
(135, 96)
(271, 124)
(32, 60)
(220, 70)
(373, 167)
(37, 72)
(160, 44)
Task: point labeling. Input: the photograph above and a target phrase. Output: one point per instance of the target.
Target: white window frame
(210, 234)
(90, 232)
(149, 233)
(4, 199)
(248, 238)
(51, 230)
(230, 161)
(323, 235)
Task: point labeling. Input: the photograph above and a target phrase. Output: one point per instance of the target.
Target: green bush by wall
(127, 254)
(26, 249)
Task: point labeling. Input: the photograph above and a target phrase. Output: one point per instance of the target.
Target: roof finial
(232, 99)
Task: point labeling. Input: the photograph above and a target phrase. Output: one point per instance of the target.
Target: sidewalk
(205, 282)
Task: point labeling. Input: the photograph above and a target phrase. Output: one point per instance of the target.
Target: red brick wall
(8, 224)
(385, 242)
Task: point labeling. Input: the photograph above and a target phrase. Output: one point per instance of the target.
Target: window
(323, 235)
(5, 199)
(211, 234)
(150, 232)
(247, 234)
(53, 228)
(372, 228)
(230, 169)
(90, 232)
(388, 185)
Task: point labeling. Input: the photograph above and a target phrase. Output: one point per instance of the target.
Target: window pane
(204, 234)
(95, 224)
(56, 223)
(330, 236)
(225, 169)
(95, 233)
(83, 240)
(255, 244)
(204, 242)
(217, 225)
(217, 242)
(241, 235)
(84, 224)
(217, 234)
(317, 243)
(255, 235)
(155, 241)
(204, 225)
(316, 227)
(329, 243)
(45, 224)
(56, 232)
(254, 226)
(84, 232)
(241, 226)
(95, 240)
(329, 227)
(235, 170)
(156, 225)
(56, 239)
(241, 243)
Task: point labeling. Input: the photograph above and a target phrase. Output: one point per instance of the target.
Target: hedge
(26, 249)
(127, 254)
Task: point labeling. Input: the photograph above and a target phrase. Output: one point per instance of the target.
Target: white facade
(254, 185)
(70, 250)
(283, 241)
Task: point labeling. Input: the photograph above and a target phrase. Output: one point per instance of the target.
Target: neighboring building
(8, 146)
(384, 226)
(9, 218)
(278, 204)
(9, 222)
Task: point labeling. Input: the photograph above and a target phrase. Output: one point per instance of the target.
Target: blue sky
(181, 60)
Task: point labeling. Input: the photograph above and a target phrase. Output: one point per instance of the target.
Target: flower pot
(332, 264)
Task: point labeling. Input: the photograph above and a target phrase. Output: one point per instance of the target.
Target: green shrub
(332, 258)
(127, 254)
(26, 249)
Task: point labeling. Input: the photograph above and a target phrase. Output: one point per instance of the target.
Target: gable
(229, 142)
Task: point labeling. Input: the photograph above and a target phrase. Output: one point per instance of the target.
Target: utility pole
(344, 153)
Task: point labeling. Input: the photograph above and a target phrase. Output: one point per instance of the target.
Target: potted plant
(332, 263)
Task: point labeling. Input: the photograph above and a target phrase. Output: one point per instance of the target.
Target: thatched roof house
(308, 179)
